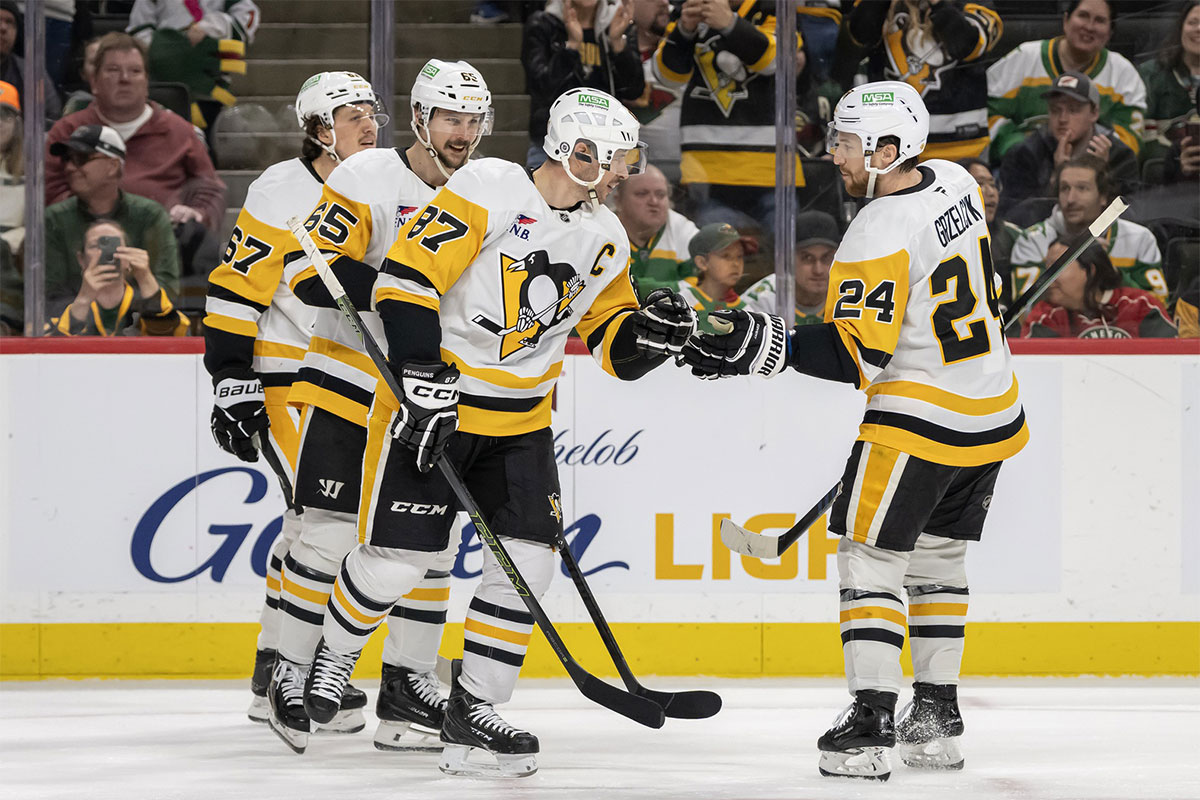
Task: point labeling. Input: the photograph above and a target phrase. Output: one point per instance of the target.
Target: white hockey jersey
(248, 300)
(912, 299)
(510, 277)
(366, 200)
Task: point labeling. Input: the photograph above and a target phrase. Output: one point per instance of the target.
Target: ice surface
(1065, 739)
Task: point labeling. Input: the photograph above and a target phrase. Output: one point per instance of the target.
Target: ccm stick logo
(406, 507)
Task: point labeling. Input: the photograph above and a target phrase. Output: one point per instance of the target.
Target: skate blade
(456, 761)
(343, 722)
(404, 737)
(867, 763)
(941, 753)
(296, 740)
(260, 709)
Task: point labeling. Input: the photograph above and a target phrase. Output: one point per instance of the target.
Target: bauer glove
(429, 410)
(239, 413)
(664, 323)
(746, 343)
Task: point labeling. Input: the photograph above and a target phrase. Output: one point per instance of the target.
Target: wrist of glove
(239, 413)
(428, 411)
(746, 343)
(664, 323)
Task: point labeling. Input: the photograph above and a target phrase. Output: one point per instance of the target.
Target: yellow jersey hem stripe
(968, 406)
(951, 456)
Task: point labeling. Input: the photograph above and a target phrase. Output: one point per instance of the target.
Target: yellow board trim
(493, 632)
(33, 651)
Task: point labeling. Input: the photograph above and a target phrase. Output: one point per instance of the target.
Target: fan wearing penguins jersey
(354, 222)
(476, 299)
(256, 331)
(914, 321)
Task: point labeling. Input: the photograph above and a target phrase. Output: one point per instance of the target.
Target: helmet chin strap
(590, 186)
(874, 172)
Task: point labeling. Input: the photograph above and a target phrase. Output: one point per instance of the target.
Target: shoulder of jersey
(272, 197)
(1135, 230)
(367, 173)
(607, 219)
(488, 181)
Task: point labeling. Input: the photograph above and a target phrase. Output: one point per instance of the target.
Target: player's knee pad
(290, 531)
(868, 568)
(385, 573)
(535, 562)
(325, 539)
(444, 562)
(937, 561)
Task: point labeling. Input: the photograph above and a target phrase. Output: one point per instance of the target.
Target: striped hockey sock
(351, 615)
(415, 624)
(304, 591)
(495, 640)
(937, 617)
(872, 625)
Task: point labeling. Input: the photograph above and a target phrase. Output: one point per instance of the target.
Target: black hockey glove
(664, 323)
(749, 343)
(429, 410)
(239, 412)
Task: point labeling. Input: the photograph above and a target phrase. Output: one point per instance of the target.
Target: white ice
(1077, 739)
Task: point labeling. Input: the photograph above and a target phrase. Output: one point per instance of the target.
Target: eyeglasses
(79, 159)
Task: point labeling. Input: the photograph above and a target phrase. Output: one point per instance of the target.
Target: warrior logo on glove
(537, 296)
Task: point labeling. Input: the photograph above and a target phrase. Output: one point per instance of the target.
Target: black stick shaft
(815, 513)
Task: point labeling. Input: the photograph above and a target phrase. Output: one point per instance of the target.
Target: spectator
(1173, 76)
(1002, 232)
(658, 108)
(937, 47)
(1089, 301)
(1015, 102)
(12, 66)
(817, 239)
(79, 100)
(166, 162)
(577, 43)
(719, 255)
(726, 58)
(658, 235)
(199, 43)
(1186, 317)
(1083, 192)
(12, 212)
(59, 20)
(94, 159)
(1074, 103)
(117, 290)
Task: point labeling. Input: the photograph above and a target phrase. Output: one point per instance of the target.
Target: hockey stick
(680, 705)
(1030, 296)
(493, 327)
(749, 543)
(638, 709)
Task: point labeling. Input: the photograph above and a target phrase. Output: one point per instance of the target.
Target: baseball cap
(713, 237)
(1075, 85)
(9, 96)
(816, 227)
(92, 139)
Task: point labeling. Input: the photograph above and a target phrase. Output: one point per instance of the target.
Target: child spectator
(719, 255)
(1015, 102)
(1089, 301)
(817, 239)
(658, 235)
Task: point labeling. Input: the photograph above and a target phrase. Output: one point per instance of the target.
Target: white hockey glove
(239, 413)
(664, 323)
(429, 410)
(747, 343)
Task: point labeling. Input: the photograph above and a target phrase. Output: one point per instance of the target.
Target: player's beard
(457, 157)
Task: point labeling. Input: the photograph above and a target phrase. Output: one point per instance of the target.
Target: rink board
(131, 546)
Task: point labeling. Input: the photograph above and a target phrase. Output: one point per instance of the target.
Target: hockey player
(256, 330)
(476, 300)
(913, 320)
(362, 206)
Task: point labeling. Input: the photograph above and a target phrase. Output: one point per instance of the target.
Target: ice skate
(929, 729)
(349, 718)
(260, 682)
(479, 743)
(410, 709)
(326, 683)
(288, 718)
(857, 745)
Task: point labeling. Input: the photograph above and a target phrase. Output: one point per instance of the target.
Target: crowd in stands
(1052, 128)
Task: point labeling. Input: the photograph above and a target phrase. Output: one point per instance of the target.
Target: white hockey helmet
(453, 86)
(600, 121)
(875, 110)
(324, 93)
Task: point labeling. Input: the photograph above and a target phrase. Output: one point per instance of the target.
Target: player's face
(356, 129)
(724, 267)
(812, 269)
(644, 200)
(987, 187)
(1087, 30)
(1069, 288)
(1071, 118)
(1078, 196)
(848, 156)
(451, 133)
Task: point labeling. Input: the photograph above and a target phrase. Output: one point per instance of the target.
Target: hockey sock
(370, 581)
(269, 620)
(305, 591)
(872, 615)
(415, 624)
(937, 616)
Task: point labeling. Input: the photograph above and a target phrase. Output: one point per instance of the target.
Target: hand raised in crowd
(137, 262)
(1189, 156)
(181, 213)
(574, 26)
(619, 24)
(717, 13)
(1062, 153)
(194, 34)
(101, 283)
(691, 15)
(1099, 146)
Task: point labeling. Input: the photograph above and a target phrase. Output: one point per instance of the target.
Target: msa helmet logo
(427, 509)
(429, 70)
(330, 488)
(592, 100)
(871, 98)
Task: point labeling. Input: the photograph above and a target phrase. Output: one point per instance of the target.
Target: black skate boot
(928, 729)
(260, 681)
(326, 683)
(472, 725)
(288, 718)
(409, 703)
(349, 718)
(857, 744)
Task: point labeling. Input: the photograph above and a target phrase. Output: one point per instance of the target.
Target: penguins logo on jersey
(725, 77)
(537, 296)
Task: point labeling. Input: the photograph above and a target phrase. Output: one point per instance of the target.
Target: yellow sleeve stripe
(308, 272)
(498, 377)
(604, 357)
(392, 293)
(969, 406)
(278, 350)
(768, 55)
(240, 327)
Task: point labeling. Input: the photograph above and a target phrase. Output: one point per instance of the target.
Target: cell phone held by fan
(108, 249)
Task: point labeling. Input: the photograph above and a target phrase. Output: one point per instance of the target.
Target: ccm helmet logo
(406, 507)
(472, 98)
(443, 394)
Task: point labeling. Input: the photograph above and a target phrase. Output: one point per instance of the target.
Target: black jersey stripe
(223, 293)
(494, 653)
(406, 273)
(942, 435)
(499, 612)
(873, 635)
(277, 378)
(515, 405)
(345, 388)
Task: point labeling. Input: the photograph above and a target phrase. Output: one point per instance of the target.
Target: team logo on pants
(555, 506)
(537, 296)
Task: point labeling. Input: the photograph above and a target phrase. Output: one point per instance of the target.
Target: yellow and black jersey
(253, 320)
(365, 201)
(914, 318)
(505, 278)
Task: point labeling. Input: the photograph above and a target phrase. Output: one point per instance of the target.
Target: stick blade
(684, 705)
(639, 709)
(748, 543)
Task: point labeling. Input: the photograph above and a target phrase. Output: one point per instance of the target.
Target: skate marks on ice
(1088, 739)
